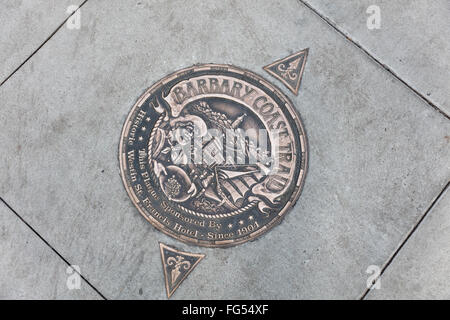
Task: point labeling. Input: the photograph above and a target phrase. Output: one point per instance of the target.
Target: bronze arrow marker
(177, 266)
(289, 70)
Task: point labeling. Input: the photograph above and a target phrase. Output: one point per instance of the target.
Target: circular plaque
(213, 155)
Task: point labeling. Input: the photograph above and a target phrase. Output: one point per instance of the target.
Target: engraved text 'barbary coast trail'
(213, 155)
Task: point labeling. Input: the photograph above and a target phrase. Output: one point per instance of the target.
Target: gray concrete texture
(25, 25)
(379, 154)
(421, 269)
(30, 269)
(412, 41)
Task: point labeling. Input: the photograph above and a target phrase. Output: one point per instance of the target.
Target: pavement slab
(378, 153)
(413, 40)
(420, 270)
(29, 269)
(25, 25)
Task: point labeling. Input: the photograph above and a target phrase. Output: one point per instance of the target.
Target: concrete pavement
(379, 153)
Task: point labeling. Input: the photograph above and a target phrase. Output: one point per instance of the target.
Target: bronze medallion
(213, 155)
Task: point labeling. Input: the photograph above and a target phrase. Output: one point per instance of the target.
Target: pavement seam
(408, 236)
(377, 61)
(52, 248)
(42, 44)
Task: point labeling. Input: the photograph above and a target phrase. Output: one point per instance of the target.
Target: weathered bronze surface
(177, 266)
(213, 155)
(289, 70)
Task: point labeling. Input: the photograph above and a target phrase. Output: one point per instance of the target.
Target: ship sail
(238, 180)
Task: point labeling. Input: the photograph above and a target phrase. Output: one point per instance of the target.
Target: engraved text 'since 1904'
(213, 155)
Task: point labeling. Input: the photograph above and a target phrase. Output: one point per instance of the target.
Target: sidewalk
(375, 111)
